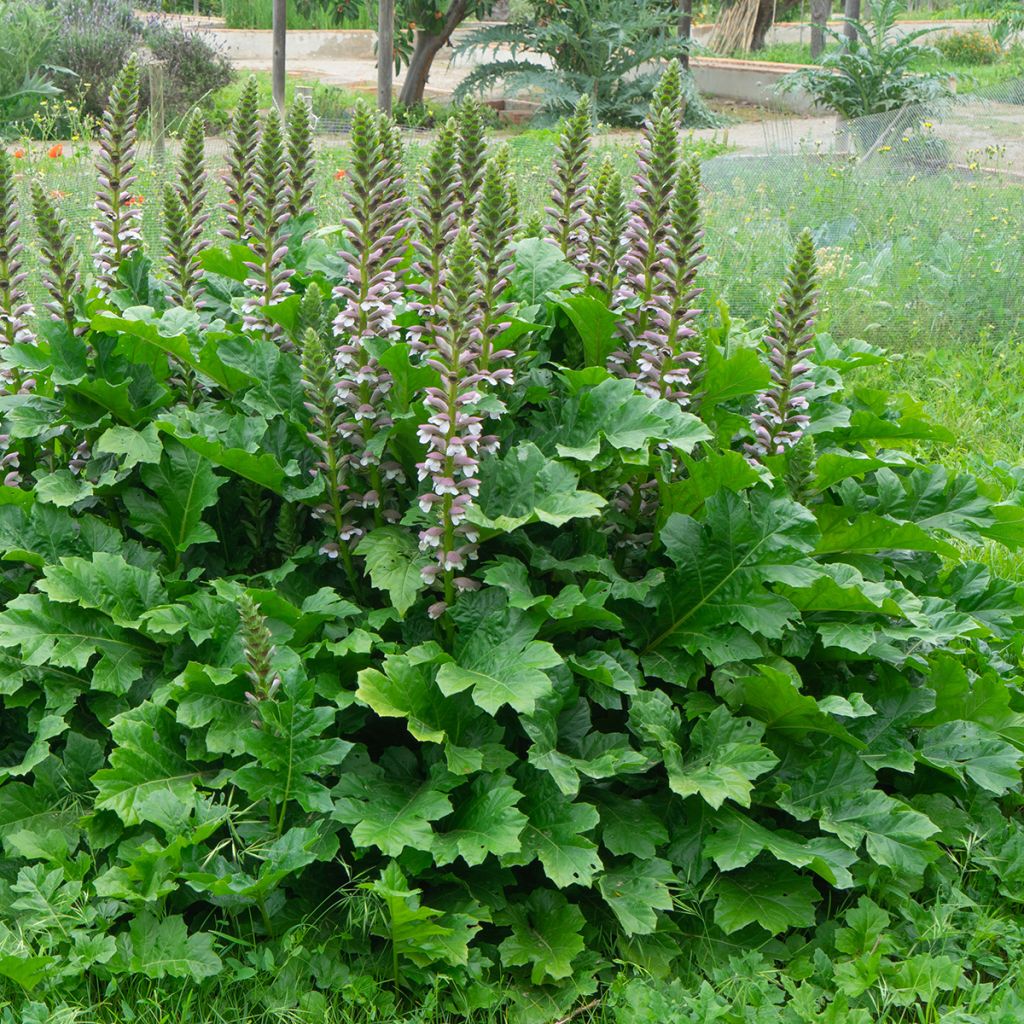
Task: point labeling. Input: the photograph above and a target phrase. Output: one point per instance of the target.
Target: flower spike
(301, 159)
(15, 309)
(472, 154)
(606, 221)
(781, 416)
(117, 229)
(569, 186)
(57, 253)
(243, 139)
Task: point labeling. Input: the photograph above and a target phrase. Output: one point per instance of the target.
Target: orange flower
(55, 193)
(19, 154)
(135, 200)
(56, 151)
(338, 175)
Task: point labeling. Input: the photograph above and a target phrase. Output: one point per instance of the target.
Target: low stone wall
(749, 81)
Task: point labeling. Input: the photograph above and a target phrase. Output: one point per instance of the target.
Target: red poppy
(56, 150)
(338, 175)
(55, 193)
(135, 200)
(19, 154)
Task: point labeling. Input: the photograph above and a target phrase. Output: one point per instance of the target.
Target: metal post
(280, 26)
(156, 109)
(385, 53)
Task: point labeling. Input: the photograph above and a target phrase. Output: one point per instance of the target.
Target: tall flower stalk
(270, 280)
(436, 218)
(568, 213)
(239, 180)
(185, 217)
(453, 433)
(494, 233)
(57, 254)
(472, 154)
(665, 364)
(374, 234)
(605, 218)
(643, 294)
(301, 159)
(118, 228)
(780, 417)
(15, 309)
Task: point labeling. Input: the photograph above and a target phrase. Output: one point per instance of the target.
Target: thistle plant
(643, 294)
(59, 273)
(239, 180)
(301, 159)
(780, 417)
(374, 236)
(665, 363)
(15, 310)
(436, 219)
(494, 232)
(605, 218)
(472, 154)
(118, 228)
(567, 211)
(452, 433)
(270, 280)
(185, 217)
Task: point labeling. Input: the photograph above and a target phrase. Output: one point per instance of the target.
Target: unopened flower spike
(118, 228)
(435, 218)
(57, 255)
(606, 216)
(243, 139)
(270, 277)
(472, 154)
(259, 651)
(665, 365)
(568, 224)
(374, 234)
(494, 231)
(644, 289)
(781, 417)
(185, 216)
(453, 433)
(15, 309)
(301, 159)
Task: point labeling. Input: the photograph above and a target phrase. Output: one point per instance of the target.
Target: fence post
(385, 53)
(156, 109)
(280, 28)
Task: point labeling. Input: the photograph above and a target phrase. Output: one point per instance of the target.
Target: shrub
(970, 48)
(472, 615)
(194, 69)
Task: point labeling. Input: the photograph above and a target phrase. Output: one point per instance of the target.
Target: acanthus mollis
(375, 239)
(643, 294)
(271, 279)
(239, 179)
(453, 433)
(15, 309)
(494, 232)
(606, 217)
(301, 159)
(471, 156)
(118, 228)
(568, 225)
(665, 364)
(185, 217)
(57, 254)
(781, 417)
(436, 219)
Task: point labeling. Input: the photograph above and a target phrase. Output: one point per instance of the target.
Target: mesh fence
(918, 214)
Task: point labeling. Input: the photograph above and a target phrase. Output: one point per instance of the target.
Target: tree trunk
(685, 30)
(765, 19)
(851, 10)
(820, 10)
(428, 44)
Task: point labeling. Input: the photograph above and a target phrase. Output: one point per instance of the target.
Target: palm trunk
(428, 45)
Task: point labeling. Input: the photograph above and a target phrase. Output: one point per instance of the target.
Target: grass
(311, 14)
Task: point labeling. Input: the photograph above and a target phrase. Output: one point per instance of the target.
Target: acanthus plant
(499, 767)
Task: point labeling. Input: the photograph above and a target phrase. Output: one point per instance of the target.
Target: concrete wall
(748, 81)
